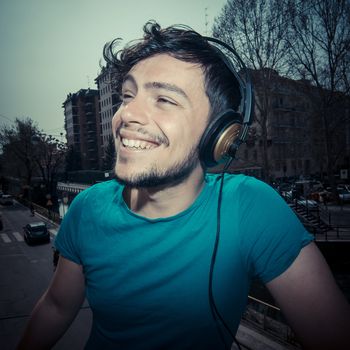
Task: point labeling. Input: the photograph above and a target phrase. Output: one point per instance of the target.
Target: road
(25, 273)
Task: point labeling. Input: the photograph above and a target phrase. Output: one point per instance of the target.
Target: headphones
(227, 131)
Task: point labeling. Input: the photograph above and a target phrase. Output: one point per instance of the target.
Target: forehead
(167, 69)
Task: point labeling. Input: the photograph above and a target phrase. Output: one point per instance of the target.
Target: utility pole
(206, 20)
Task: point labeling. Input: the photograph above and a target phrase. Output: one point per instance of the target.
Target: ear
(222, 132)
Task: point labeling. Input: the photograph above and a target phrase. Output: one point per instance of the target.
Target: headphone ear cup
(219, 136)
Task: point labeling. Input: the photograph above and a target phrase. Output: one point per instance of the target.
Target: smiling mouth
(137, 144)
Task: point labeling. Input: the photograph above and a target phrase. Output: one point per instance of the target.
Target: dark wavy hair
(183, 43)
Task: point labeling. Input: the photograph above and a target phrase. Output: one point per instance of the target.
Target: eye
(166, 100)
(126, 96)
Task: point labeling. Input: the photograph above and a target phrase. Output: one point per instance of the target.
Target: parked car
(343, 186)
(36, 232)
(6, 199)
(344, 194)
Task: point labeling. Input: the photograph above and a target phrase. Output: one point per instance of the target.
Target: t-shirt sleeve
(67, 239)
(272, 235)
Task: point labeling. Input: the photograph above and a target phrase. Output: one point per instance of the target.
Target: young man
(140, 248)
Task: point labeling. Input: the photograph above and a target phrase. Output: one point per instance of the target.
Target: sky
(51, 48)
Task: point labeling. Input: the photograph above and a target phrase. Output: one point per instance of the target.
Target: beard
(155, 177)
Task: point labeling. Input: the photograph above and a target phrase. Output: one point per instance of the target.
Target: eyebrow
(159, 85)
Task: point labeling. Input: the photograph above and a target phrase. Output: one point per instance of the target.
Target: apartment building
(82, 124)
(289, 130)
(289, 136)
(109, 101)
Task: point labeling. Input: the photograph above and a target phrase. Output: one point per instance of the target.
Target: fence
(325, 222)
(269, 319)
(50, 214)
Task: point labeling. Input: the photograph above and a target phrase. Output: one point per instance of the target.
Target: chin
(151, 174)
(155, 177)
(126, 172)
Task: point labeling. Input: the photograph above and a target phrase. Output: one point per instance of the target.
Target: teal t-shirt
(147, 279)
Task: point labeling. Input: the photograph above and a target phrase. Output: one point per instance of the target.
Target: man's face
(159, 124)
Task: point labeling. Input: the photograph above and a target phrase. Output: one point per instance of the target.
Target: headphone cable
(214, 310)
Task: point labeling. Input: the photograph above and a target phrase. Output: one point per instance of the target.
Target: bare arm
(56, 309)
(312, 302)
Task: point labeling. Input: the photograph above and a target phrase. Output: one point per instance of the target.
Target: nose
(133, 112)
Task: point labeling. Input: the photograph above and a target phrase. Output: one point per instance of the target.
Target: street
(25, 273)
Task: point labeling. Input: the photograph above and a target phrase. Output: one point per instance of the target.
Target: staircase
(311, 217)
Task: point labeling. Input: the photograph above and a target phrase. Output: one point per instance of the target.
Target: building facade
(289, 129)
(289, 136)
(109, 102)
(82, 124)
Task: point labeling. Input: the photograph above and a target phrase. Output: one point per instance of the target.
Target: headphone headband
(228, 130)
(246, 86)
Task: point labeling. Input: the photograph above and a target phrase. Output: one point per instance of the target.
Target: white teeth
(137, 144)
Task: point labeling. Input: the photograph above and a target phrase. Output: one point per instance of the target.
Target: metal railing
(269, 319)
(50, 214)
(318, 219)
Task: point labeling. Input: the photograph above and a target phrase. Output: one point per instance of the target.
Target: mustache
(160, 139)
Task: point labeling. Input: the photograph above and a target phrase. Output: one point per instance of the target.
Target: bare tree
(256, 30)
(49, 156)
(18, 149)
(319, 42)
(27, 152)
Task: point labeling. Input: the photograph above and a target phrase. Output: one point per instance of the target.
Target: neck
(165, 201)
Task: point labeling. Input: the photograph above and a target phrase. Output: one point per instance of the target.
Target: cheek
(182, 138)
(187, 133)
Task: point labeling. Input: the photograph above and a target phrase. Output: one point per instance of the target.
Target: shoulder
(104, 187)
(101, 189)
(252, 189)
(230, 180)
(242, 185)
(94, 197)
(88, 205)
